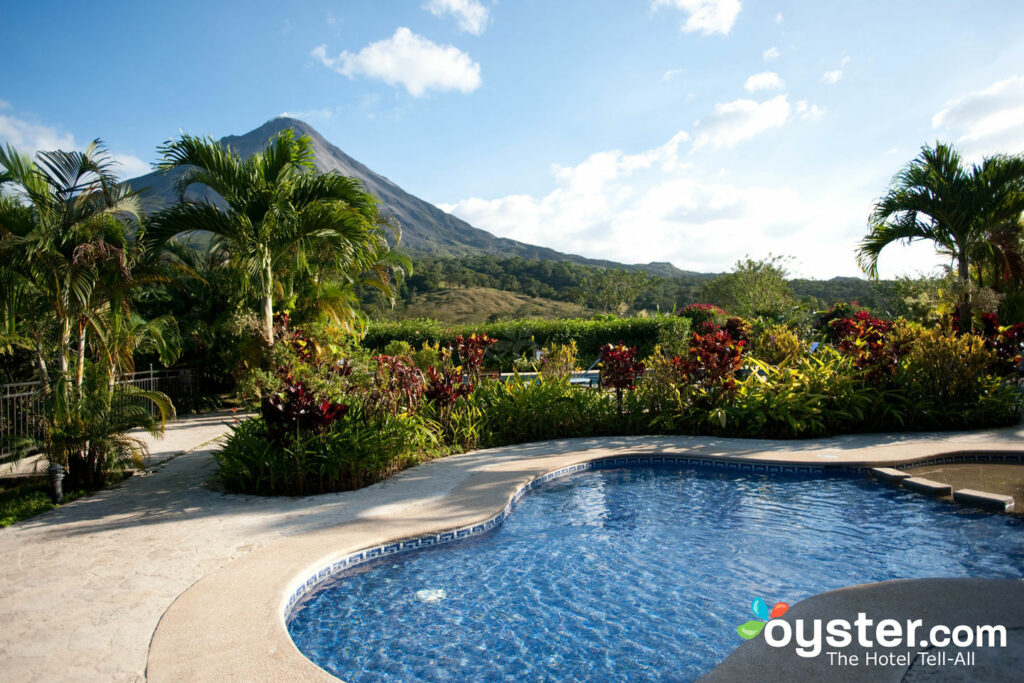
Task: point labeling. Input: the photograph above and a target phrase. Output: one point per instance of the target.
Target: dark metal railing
(21, 403)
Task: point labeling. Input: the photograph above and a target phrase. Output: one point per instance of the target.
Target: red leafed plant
(397, 385)
(619, 368)
(296, 409)
(869, 341)
(446, 382)
(304, 348)
(471, 352)
(711, 365)
(445, 386)
(1006, 342)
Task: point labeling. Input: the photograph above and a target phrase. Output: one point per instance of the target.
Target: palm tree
(329, 294)
(71, 250)
(276, 214)
(63, 230)
(936, 197)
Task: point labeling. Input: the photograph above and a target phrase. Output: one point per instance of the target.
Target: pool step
(929, 486)
(984, 499)
(890, 473)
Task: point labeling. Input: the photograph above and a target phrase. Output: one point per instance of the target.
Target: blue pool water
(635, 574)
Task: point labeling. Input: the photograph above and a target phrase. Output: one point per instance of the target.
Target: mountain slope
(480, 304)
(426, 229)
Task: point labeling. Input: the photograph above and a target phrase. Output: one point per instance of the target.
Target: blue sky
(690, 131)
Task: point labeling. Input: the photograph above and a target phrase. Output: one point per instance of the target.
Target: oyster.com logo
(813, 637)
(760, 609)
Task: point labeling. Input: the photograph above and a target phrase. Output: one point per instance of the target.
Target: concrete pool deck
(166, 578)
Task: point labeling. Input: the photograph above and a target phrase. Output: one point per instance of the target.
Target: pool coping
(231, 623)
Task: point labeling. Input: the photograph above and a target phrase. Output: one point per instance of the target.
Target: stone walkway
(83, 588)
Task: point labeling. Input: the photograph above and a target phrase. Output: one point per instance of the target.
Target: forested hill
(600, 289)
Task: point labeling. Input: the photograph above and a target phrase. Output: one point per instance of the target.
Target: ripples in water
(636, 574)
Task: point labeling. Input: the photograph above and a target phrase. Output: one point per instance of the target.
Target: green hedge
(518, 337)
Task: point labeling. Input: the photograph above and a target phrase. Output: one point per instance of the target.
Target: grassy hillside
(480, 304)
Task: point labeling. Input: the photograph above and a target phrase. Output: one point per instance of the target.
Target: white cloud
(778, 18)
(586, 206)
(805, 110)
(733, 122)
(766, 80)
(648, 215)
(129, 165)
(28, 138)
(4, 104)
(671, 73)
(471, 15)
(987, 121)
(323, 113)
(832, 77)
(705, 16)
(408, 60)
(652, 205)
(771, 54)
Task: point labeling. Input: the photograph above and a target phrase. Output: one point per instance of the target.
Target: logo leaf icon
(760, 609)
(750, 629)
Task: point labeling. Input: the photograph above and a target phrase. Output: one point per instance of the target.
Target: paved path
(82, 588)
(186, 434)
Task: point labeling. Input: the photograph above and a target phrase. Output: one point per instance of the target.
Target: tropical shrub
(701, 314)
(620, 368)
(558, 361)
(399, 348)
(397, 386)
(944, 368)
(711, 365)
(674, 335)
(781, 402)
(89, 432)
(660, 392)
(471, 352)
(297, 410)
(869, 341)
(737, 328)
(428, 355)
(778, 345)
(520, 410)
(1006, 342)
(838, 311)
(351, 452)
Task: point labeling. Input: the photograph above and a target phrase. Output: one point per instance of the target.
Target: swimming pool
(642, 573)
